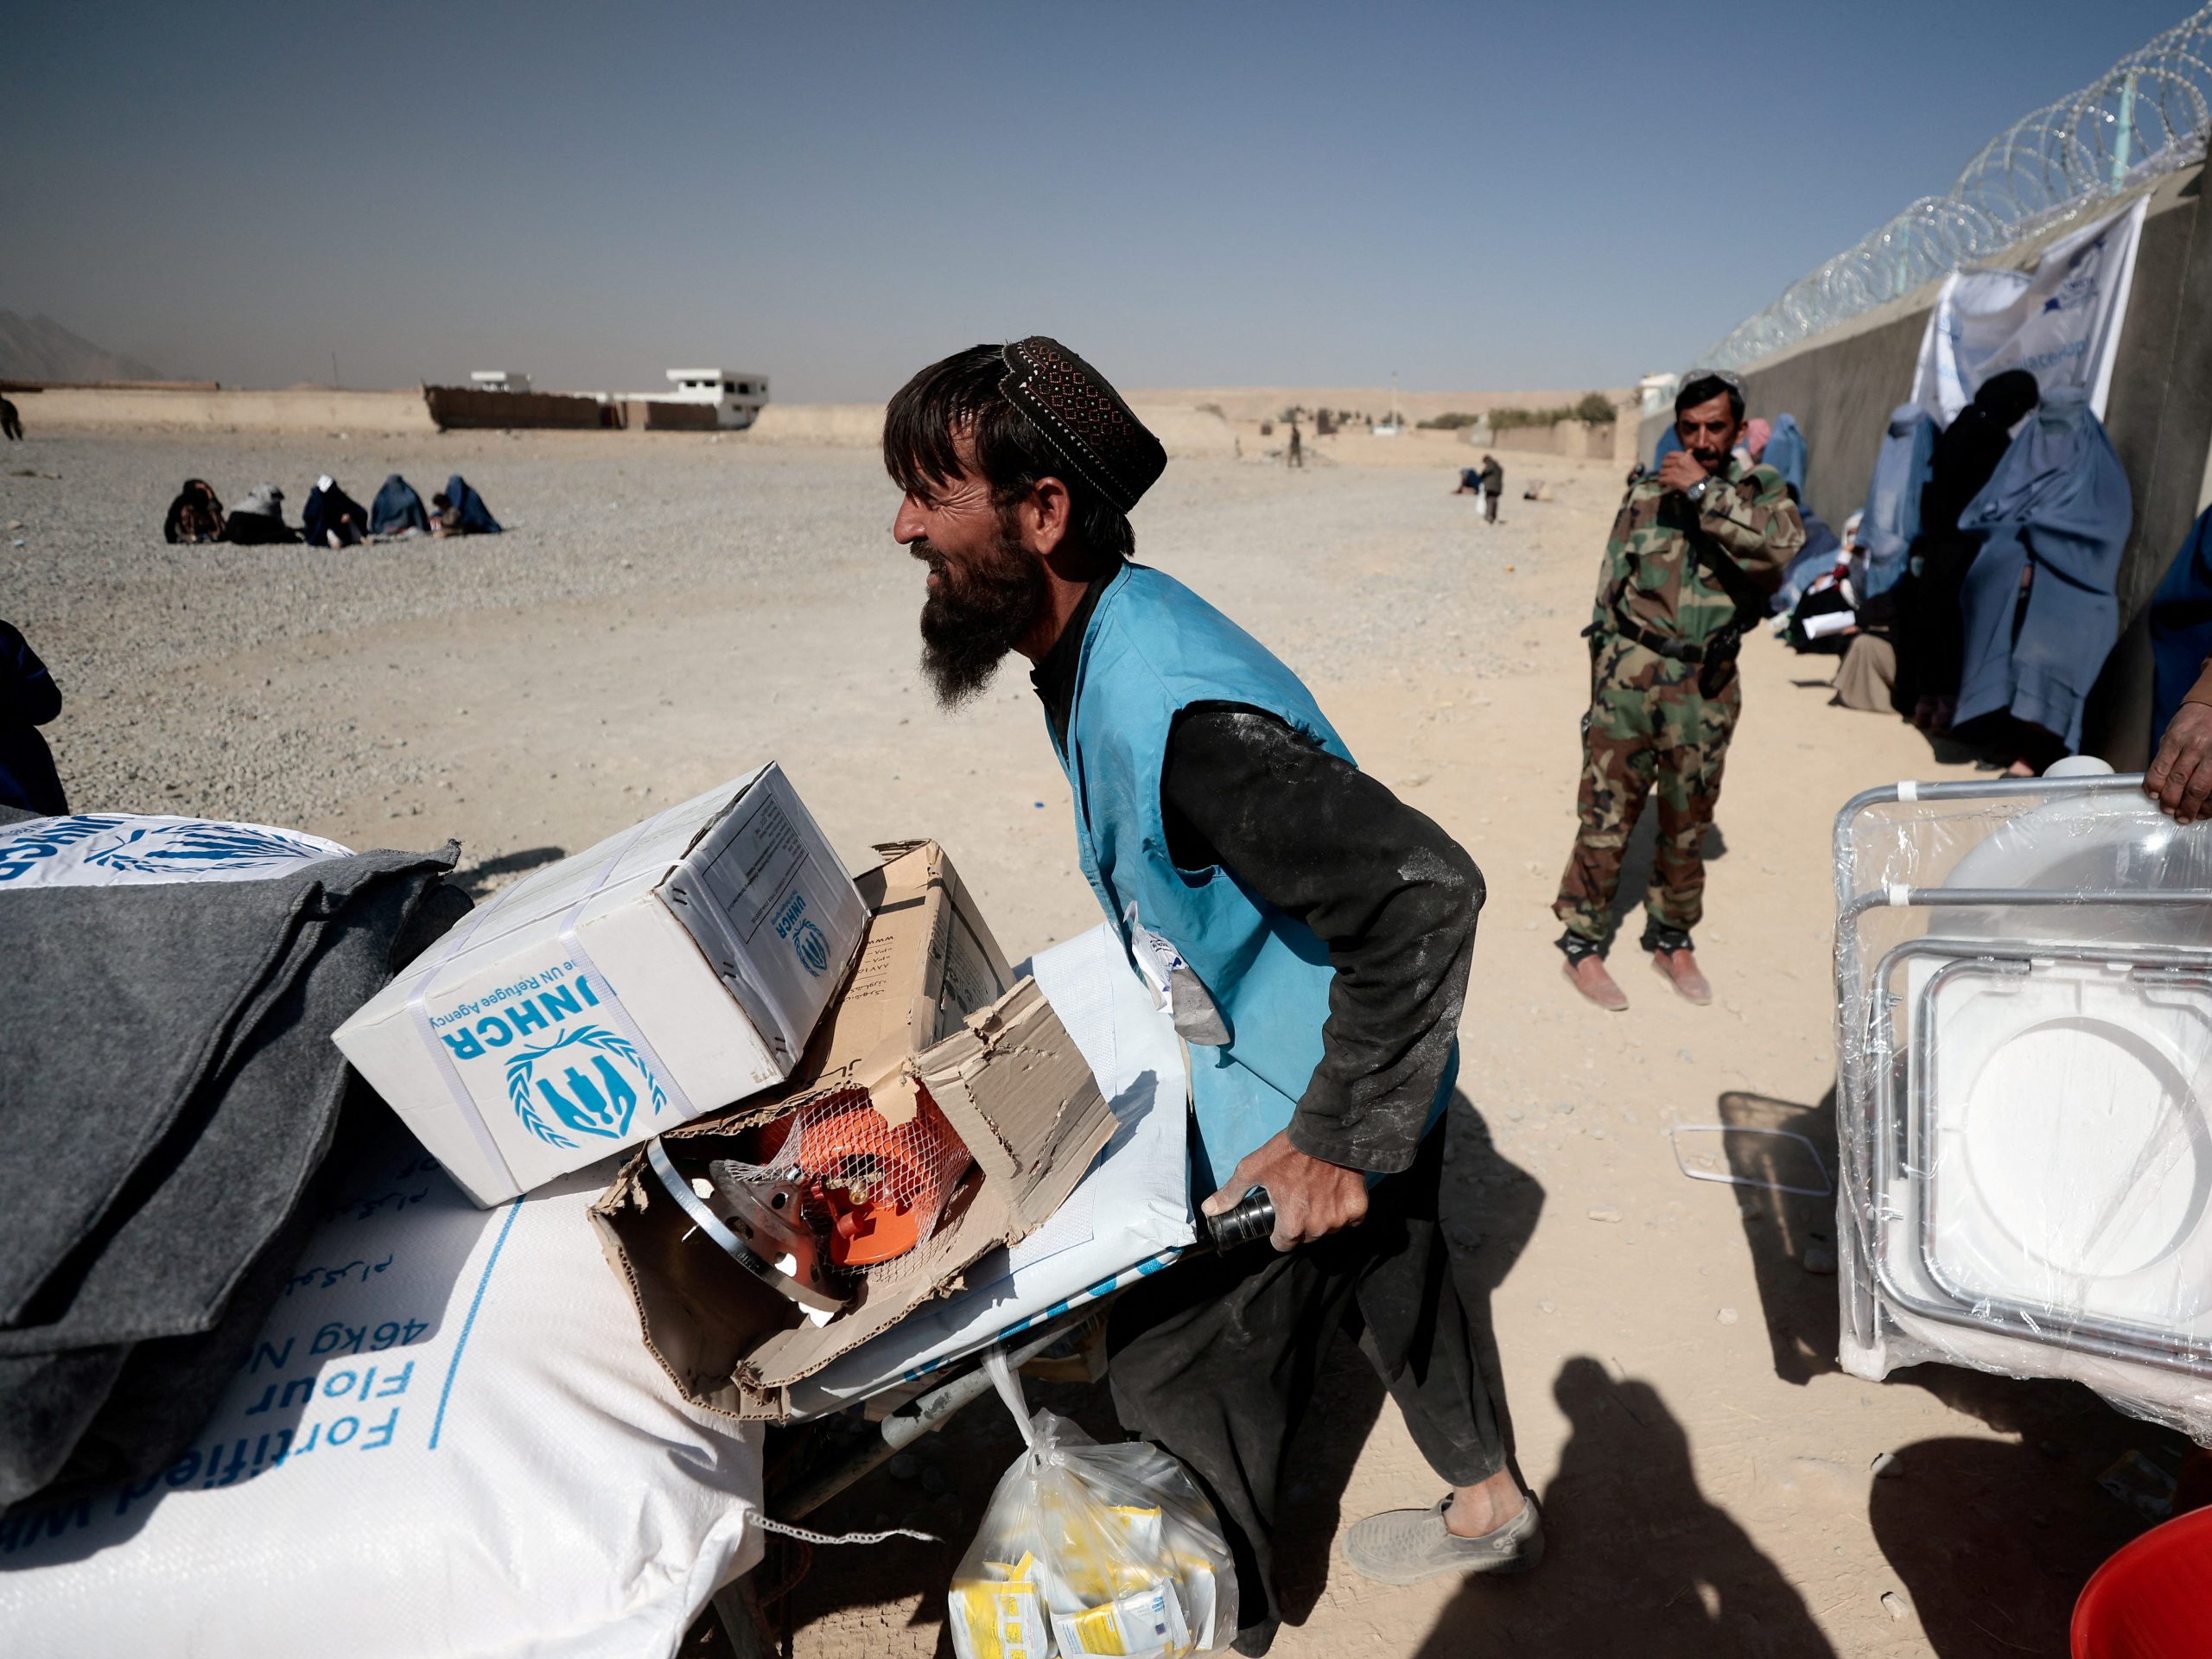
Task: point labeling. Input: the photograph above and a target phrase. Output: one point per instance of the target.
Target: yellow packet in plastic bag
(1147, 1623)
(1091, 1552)
(998, 1621)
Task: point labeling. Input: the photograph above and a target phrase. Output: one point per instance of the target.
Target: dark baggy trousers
(1490, 507)
(1216, 1359)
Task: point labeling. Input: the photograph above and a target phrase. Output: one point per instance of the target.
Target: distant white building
(737, 395)
(1655, 392)
(499, 380)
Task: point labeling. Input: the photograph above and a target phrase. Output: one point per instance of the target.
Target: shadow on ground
(1992, 1538)
(1638, 1559)
(479, 880)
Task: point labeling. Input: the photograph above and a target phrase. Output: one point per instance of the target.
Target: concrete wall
(857, 426)
(1268, 403)
(1842, 385)
(662, 415)
(1579, 440)
(303, 411)
(1184, 432)
(454, 407)
(2160, 418)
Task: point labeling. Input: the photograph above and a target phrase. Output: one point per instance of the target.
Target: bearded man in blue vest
(1310, 932)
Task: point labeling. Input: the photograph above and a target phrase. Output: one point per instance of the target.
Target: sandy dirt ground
(668, 612)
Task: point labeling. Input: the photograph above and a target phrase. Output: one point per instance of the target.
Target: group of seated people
(330, 518)
(1973, 594)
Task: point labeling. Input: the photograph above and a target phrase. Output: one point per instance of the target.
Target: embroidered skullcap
(1084, 419)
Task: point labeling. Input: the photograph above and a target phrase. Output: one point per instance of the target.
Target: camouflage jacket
(1650, 574)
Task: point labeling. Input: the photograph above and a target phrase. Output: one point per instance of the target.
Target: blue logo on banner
(813, 948)
(589, 1080)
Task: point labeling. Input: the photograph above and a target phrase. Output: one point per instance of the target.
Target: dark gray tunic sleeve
(1393, 897)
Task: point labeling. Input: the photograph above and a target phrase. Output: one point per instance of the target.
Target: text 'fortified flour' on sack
(444, 1443)
(671, 970)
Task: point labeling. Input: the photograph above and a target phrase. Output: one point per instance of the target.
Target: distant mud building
(702, 400)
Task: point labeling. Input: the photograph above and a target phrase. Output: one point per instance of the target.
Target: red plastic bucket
(2153, 1599)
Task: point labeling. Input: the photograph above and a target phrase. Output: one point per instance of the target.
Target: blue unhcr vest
(1152, 648)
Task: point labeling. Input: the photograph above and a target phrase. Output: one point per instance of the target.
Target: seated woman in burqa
(259, 519)
(1929, 630)
(2037, 603)
(398, 511)
(2181, 628)
(196, 515)
(332, 518)
(461, 511)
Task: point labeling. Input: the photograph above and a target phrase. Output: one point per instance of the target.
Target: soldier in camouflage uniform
(1696, 550)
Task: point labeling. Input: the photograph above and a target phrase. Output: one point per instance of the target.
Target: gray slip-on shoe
(1406, 1546)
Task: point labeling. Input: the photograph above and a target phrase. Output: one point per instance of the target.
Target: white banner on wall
(2060, 321)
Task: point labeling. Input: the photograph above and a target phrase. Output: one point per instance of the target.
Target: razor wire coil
(2149, 114)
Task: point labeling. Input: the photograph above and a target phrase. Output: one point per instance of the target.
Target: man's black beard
(975, 615)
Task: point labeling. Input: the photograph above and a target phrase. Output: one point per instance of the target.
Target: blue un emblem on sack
(589, 1080)
(813, 948)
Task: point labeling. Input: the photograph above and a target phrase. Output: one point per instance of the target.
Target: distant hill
(38, 348)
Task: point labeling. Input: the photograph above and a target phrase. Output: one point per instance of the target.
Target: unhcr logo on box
(813, 949)
(807, 940)
(601, 1100)
(587, 1078)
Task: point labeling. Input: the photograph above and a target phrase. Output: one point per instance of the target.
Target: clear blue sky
(1508, 195)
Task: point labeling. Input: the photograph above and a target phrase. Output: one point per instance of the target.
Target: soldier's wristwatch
(1696, 492)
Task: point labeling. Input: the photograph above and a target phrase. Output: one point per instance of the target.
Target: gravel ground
(668, 612)
(129, 625)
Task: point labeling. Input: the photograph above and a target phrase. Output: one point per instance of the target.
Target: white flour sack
(132, 849)
(447, 1440)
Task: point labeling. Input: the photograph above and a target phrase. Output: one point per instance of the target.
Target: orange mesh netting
(884, 1185)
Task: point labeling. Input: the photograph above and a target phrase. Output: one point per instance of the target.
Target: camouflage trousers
(1649, 728)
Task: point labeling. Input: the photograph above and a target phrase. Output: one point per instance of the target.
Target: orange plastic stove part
(883, 1186)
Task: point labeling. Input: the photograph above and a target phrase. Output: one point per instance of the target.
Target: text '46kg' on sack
(671, 970)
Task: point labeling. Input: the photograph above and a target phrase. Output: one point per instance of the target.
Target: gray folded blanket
(167, 1090)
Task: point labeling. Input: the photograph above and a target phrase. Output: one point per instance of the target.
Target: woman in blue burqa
(461, 511)
(398, 511)
(332, 518)
(1928, 630)
(2040, 614)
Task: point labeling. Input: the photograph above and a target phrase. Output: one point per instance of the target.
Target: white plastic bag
(1091, 1549)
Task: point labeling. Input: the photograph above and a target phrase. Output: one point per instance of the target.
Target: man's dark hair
(961, 394)
(1704, 388)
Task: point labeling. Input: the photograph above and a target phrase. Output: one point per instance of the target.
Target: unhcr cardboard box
(932, 1006)
(671, 970)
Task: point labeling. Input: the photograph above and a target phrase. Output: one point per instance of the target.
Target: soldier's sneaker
(1406, 1546)
(1680, 969)
(1588, 975)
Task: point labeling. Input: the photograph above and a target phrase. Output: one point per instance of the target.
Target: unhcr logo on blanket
(589, 1079)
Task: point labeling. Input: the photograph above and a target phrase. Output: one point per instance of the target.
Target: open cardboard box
(932, 1005)
(676, 967)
